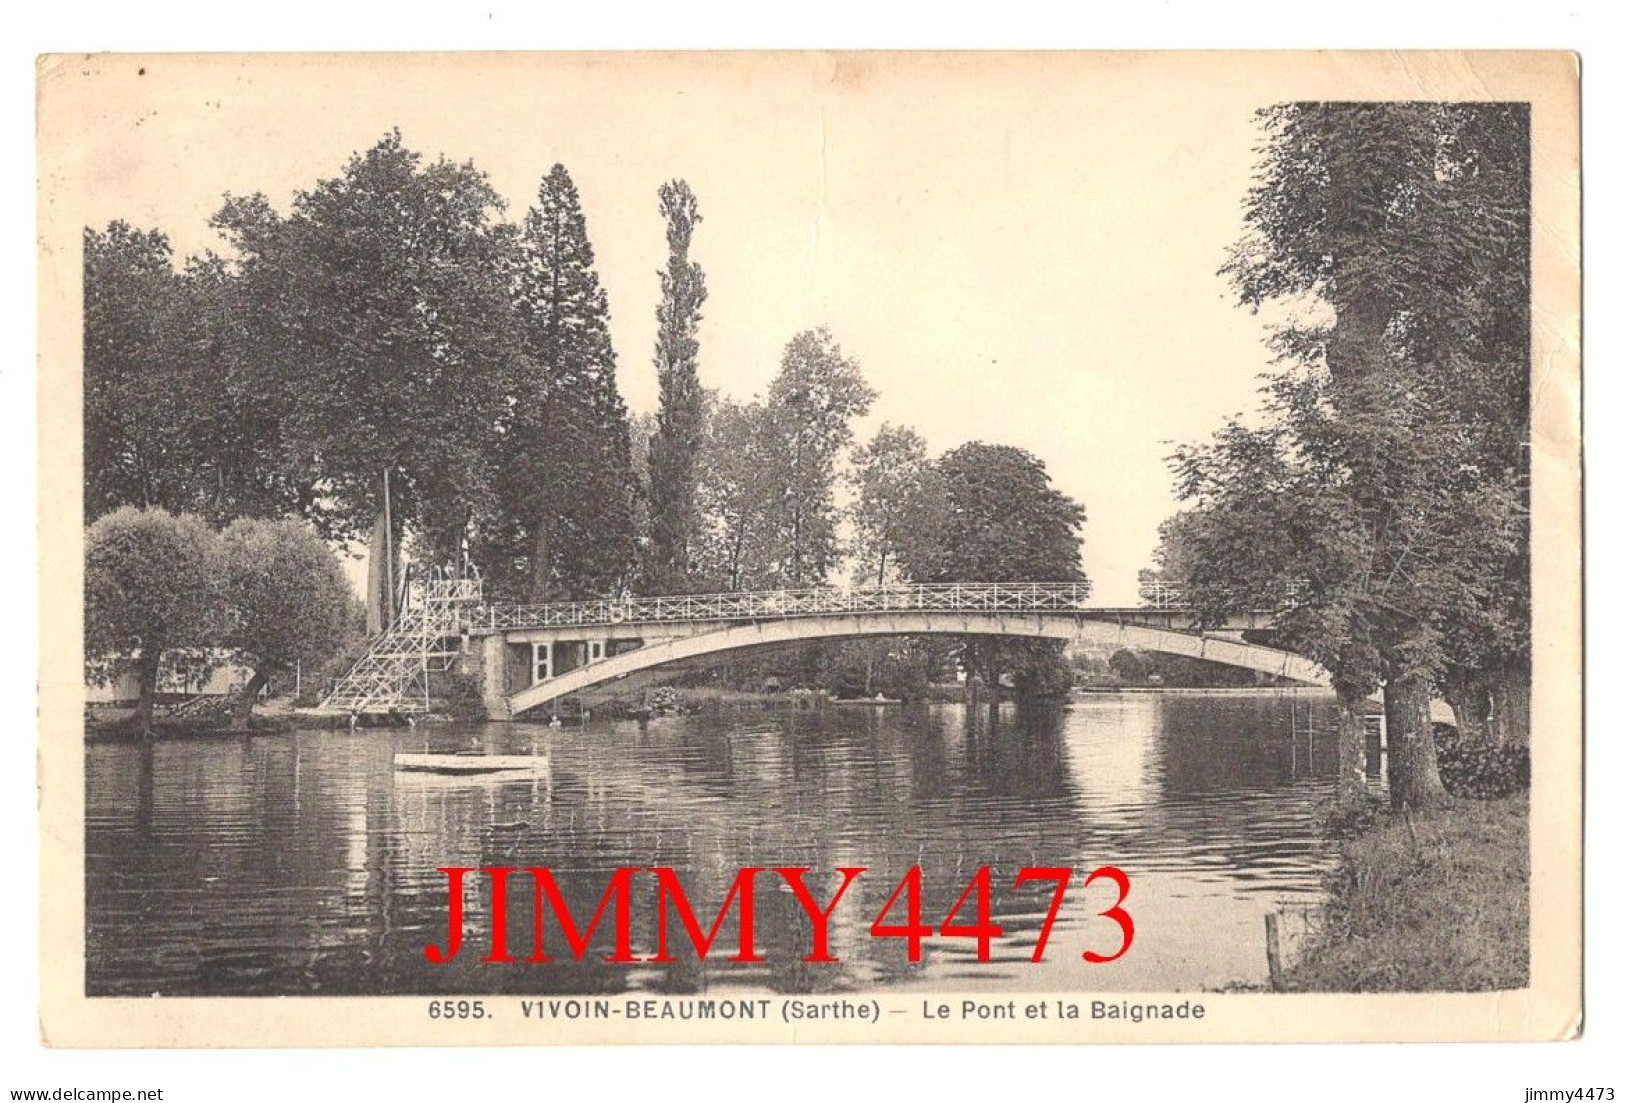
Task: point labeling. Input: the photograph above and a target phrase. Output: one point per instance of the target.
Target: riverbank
(112, 724)
(695, 698)
(1435, 901)
(1203, 691)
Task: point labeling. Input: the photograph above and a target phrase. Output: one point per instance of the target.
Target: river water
(303, 863)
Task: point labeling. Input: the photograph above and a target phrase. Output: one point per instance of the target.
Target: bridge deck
(394, 673)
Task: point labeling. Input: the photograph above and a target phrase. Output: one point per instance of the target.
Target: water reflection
(303, 863)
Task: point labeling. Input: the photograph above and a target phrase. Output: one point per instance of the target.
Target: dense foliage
(1479, 768)
(149, 589)
(391, 322)
(1002, 521)
(380, 327)
(391, 339)
(1381, 500)
(267, 594)
(283, 598)
(900, 502)
(564, 488)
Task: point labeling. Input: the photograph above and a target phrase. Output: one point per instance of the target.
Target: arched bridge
(530, 656)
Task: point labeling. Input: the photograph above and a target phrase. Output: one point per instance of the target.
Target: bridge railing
(953, 597)
(1158, 594)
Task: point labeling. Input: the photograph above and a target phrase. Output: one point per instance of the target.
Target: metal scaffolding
(393, 676)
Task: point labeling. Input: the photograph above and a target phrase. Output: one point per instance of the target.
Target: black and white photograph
(810, 547)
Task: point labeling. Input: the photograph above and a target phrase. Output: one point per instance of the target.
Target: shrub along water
(1479, 768)
(1427, 901)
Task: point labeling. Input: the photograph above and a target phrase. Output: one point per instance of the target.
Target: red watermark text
(554, 930)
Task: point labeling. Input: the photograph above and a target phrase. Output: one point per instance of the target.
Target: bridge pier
(494, 676)
(511, 662)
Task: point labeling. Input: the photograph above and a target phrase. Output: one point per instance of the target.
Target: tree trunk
(1350, 746)
(812, 665)
(1517, 695)
(1413, 761)
(1510, 694)
(1466, 705)
(970, 658)
(378, 595)
(1468, 696)
(242, 712)
(146, 681)
(145, 789)
(736, 561)
(541, 565)
(995, 687)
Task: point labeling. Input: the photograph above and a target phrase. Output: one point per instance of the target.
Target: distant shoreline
(1240, 691)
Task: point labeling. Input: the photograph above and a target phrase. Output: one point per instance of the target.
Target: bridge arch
(632, 670)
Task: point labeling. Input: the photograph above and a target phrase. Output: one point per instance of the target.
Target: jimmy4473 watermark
(970, 917)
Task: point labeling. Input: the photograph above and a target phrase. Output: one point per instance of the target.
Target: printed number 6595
(457, 1009)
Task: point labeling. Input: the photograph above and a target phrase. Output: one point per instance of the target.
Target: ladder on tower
(393, 675)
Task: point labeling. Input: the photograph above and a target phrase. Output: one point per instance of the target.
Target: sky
(1020, 251)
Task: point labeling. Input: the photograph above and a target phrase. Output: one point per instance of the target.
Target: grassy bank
(1430, 902)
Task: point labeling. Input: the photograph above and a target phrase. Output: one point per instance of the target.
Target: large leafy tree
(565, 484)
(137, 447)
(150, 589)
(1383, 505)
(378, 317)
(284, 601)
(674, 449)
(244, 463)
(810, 407)
(900, 499)
(736, 497)
(1003, 521)
(1412, 222)
(1361, 561)
(769, 469)
(1172, 557)
(170, 418)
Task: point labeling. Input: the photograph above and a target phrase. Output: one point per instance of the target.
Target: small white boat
(471, 763)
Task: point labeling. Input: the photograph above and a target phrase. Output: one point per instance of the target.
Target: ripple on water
(302, 863)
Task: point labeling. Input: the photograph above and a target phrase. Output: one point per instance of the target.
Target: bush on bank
(264, 594)
(1430, 901)
(1478, 768)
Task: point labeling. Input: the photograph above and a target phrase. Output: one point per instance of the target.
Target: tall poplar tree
(673, 506)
